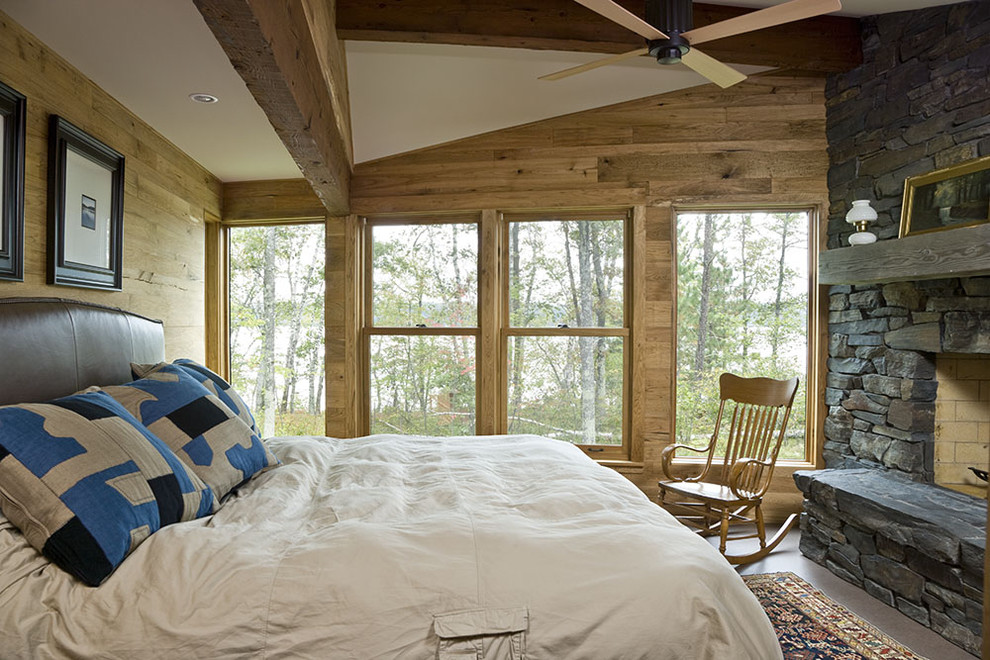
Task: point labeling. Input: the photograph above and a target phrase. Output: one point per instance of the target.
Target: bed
(376, 547)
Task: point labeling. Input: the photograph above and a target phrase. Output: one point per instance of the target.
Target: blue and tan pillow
(211, 381)
(86, 483)
(197, 426)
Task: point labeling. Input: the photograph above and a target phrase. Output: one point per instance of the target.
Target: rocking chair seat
(704, 490)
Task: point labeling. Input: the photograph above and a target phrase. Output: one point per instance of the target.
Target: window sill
(636, 466)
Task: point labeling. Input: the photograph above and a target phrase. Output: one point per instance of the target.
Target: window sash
(814, 329)
(493, 248)
(403, 220)
(624, 215)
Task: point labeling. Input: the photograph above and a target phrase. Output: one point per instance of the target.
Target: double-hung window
(422, 325)
(554, 294)
(566, 328)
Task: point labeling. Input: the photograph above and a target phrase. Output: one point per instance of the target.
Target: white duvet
(401, 547)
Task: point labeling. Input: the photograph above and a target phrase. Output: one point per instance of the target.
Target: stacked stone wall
(919, 102)
(881, 385)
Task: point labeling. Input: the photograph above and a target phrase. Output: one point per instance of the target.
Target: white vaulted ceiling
(151, 54)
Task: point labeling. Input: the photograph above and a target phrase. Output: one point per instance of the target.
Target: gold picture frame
(957, 196)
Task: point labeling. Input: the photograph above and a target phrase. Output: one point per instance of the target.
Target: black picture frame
(85, 176)
(13, 113)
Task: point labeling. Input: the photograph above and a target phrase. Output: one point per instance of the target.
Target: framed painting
(13, 107)
(85, 209)
(957, 196)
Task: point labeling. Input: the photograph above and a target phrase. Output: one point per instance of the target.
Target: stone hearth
(914, 546)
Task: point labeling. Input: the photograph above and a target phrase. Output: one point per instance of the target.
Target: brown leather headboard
(50, 347)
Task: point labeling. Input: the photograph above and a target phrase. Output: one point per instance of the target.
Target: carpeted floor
(811, 626)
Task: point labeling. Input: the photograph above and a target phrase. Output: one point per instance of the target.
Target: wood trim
(344, 343)
(217, 298)
(637, 325)
(818, 346)
(402, 331)
(275, 200)
(567, 332)
(960, 252)
(825, 43)
(490, 381)
(289, 57)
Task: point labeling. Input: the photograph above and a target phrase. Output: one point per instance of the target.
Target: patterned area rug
(811, 626)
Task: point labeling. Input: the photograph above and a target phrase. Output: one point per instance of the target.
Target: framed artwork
(12, 121)
(85, 209)
(957, 196)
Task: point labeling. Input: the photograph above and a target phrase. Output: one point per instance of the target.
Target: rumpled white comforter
(401, 547)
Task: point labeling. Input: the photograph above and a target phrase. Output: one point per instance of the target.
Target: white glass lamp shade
(860, 215)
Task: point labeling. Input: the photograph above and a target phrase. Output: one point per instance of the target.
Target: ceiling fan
(671, 37)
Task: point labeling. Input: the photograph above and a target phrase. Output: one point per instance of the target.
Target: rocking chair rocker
(757, 410)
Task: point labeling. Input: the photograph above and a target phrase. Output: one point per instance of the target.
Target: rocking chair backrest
(755, 412)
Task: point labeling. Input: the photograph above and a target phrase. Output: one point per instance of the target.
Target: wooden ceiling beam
(289, 56)
(822, 44)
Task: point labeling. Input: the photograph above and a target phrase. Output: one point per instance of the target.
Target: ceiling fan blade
(795, 10)
(581, 68)
(617, 14)
(722, 75)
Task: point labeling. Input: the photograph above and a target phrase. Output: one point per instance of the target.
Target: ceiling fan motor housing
(673, 18)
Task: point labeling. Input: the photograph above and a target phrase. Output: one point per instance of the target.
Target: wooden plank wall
(761, 142)
(166, 195)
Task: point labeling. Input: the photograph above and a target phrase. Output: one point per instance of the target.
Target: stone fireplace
(909, 407)
(888, 345)
(907, 316)
(875, 515)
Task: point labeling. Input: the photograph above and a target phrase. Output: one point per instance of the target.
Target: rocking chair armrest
(737, 470)
(667, 456)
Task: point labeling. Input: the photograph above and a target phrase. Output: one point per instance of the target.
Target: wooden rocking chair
(757, 410)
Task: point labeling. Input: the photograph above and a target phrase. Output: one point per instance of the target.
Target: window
(557, 313)
(744, 302)
(423, 326)
(276, 341)
(567, 327)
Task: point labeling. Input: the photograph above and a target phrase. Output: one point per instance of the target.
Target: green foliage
(560, 272)
(276, 325)
(754, 288)
(425, 274)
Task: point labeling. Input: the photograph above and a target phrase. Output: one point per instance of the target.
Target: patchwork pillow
(197, 426)
(211, 381)
(86, 483)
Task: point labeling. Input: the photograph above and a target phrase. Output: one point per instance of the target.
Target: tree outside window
(276, 296)
(742, 307)
(563, 326)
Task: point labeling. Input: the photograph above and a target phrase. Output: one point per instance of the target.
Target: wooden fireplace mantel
(962, 252)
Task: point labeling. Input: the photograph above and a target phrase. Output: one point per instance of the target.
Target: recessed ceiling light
(200, 97)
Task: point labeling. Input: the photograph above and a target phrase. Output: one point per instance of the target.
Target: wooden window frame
(603, 453)
(816, 332)
(217, 313)
(492, 332)
(369, 329)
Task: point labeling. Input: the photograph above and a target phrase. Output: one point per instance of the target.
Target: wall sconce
(860, 215)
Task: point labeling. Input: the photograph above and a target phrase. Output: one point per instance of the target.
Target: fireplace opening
(962, 422)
